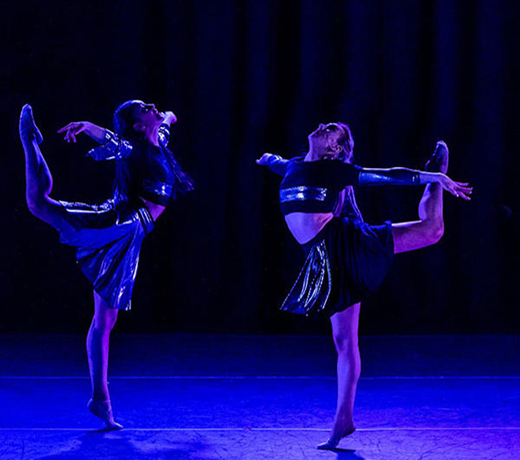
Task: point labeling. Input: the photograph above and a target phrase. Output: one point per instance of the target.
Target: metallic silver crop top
(314, 186)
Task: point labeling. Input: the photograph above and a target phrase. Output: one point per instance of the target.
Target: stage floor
(262, 397)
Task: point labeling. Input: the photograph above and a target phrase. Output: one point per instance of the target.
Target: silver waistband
(303, 193)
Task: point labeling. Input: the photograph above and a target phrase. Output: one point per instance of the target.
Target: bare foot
(333, 442)
(439, 160)
(103, 410)
(28, 130)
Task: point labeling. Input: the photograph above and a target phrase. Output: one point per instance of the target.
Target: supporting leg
(409, 236)
(345, 326)
(98, 340)
(38, 176)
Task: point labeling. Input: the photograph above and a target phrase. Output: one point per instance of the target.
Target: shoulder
(340, 173)
(293, 163)
(350, 166)
(296, 161)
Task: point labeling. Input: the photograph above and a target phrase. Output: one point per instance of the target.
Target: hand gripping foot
(439, 160)
(28, 129)
(103, 410)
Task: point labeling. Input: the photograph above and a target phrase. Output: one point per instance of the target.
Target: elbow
(36, 204)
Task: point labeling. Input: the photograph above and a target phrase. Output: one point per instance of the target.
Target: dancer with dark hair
(108, 237)
(347, 259)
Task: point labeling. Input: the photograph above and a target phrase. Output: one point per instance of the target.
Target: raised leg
(345, 326)
(409, 236)
(98, 340)
(38, 176)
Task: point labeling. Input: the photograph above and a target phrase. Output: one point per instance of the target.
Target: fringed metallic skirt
(345, 263)
(108, 239)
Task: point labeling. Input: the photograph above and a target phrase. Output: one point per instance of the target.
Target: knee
(103, 326)
(36, 203)
(346, 346)
(348, 356)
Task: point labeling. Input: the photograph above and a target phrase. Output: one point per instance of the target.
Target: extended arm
(90, 129)
(405, 176)
(113, 147)
(391, 176)
(275, 163)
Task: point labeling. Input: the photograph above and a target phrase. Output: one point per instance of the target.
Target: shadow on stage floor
(261, 397)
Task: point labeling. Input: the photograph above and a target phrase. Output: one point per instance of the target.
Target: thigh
(408, 236)
(53, 213)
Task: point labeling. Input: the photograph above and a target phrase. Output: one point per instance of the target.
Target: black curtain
(249, 76)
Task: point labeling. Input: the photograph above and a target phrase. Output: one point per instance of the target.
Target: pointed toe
(103, 411)
(28, 129)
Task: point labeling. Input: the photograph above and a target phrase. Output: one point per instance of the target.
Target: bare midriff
(155, 209)
(305, 226)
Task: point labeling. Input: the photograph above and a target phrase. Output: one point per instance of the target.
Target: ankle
(343, 423)
(100, 398)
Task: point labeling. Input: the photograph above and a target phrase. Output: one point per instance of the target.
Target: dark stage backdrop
(250, 76)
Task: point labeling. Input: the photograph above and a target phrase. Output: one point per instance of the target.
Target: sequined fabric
(311, 291)
(156, 188)
(346, 262)
(108, 239)
(312, 186)
(393, 176)
(114, 148)
(303, 193)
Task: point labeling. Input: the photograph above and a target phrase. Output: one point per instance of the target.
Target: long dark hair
(124, 120)
(346, 205)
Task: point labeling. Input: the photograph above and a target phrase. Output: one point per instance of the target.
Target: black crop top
(144, 170)
(312, 186)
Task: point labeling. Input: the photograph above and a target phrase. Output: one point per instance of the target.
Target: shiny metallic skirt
(108, 239)
(345, 263)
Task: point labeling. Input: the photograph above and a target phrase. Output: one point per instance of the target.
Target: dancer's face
(146, 117)
(324, 143)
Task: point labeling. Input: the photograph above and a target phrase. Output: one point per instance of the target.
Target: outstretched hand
(458, 189)
(170, 118)
(264, 159)
(73, 129)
